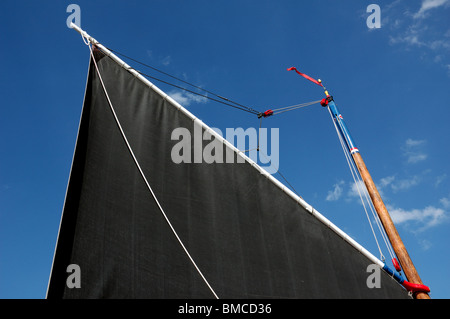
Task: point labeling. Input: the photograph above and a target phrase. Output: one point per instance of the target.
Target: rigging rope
(293, 107)
(361, 189)
(237, 105)
(219, 98)
(145, 179)
(357, 183)
(356, 176)
(282, 176)
(243, 108)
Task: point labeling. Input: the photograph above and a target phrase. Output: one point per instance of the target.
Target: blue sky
(390, 83)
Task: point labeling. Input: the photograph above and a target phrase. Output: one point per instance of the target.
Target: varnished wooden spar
(396, 242)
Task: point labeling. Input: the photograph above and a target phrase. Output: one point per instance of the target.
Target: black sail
(248, 237)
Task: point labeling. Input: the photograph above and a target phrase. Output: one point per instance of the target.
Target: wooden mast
(396, 242)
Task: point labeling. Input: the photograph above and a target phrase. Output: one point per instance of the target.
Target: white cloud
(347, 191)
(410, 142)
(336, 193)
(410, 38)
(439, 45)
(166, 61)
(422, 28)
(416, 36)
(417, 220)
(428, 5)
(356, 189)
(385, 181)
(440, 179)
(415, 158)
(392, 4)
(186, 98)
(420, 219)
(425, 244)
(399, 184)
(404, 184)
(413, 150)
(445, 202)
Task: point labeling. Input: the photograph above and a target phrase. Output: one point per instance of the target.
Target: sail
(246, 236)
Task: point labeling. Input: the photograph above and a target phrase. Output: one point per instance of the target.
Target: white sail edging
(262, 171)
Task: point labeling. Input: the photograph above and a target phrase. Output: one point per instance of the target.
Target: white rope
(366, 195)
(293, 107)
(356, 179)
(368, 200)
(379, 225)
(85, 40)
(297, 105)
(145, 179)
